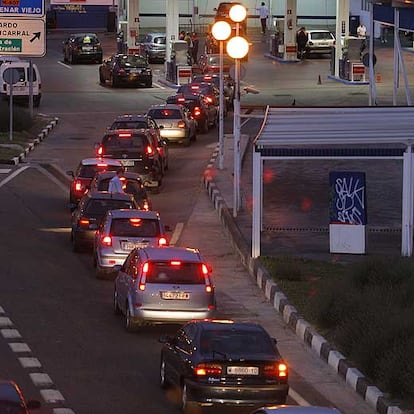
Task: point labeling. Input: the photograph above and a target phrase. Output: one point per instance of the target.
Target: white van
(21, 87)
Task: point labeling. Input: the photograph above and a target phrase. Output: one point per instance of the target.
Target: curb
(353, 377)
(31, 145)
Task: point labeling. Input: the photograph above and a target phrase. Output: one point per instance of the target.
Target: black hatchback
(213, 362)
(123, 69)
(82, 47)
(136, 150)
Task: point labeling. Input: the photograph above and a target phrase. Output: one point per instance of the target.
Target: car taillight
(149, 150)
(207, 281)
(162, 241)
(100, 150)
(209, 99)
(181, 124)
(204, 369)
(197, 111)
(145, 205)
(84, 221)
(78, 186)
(142, 282)
(276, 370)
(106, 240)
(121, 71)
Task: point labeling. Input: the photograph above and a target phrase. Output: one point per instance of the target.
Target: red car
(82, 176)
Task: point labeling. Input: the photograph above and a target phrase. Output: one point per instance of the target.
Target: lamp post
(221, 31)
(237, 48)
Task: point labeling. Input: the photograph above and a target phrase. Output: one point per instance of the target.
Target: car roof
(131, 117)
(166, 106)
(84, 34)
(135, 132)
(95, 161)
(297, 409)
(225, 324)
(171, 253)
(101, 175)
(105, 195)
(134, 213)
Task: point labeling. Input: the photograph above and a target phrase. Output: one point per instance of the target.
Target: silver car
(320, 42)
(120, 232)
(154, 45)
(175, 121)
(163, 285)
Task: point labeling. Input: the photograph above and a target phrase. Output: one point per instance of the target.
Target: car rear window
(165, 114)
(87, 40)
(129, 125)
(321, 36)
(184, 273)
(131, 187)
(159, 40)
(100, 207)
(89, 171)
(127, 61)
(135, 142)
(234, 341)
(135, 227)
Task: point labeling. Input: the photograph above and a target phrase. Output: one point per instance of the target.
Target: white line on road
(64, 64)
(294, 395)
(5, 170)
(158, 85)
(12, 175)
(176, 234)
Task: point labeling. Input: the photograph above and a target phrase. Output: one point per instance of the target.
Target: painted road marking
(10, 333)
(12, 175)
(5, 170)
(52, 396)
(19, 347)
(30, 362)
(176, 234)
(64, 64)
(4, 322)
(40, 379)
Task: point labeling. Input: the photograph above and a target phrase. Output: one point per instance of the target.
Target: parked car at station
(163, 285)
(120, 232)
(82, 176)
(223, 363)
(154, 45)
(131, 182)
(85, 47)
(176, 122)
(125, 70)
(136, 150)
(319, 42)
(88, 215)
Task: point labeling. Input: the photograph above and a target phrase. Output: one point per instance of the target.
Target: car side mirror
(274, 341)
(70, 173)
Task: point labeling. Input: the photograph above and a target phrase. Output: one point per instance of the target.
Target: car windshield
(165, 114)
(135, 227)
(131, 187)
(129, 125)
(132, 61)
(89, 171)
(100, 207)
(134, 142)
(175, 272)
(235, 341)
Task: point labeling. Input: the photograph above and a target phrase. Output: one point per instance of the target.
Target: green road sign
(10, 45)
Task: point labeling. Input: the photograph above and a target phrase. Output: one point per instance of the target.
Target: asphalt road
(51, 295)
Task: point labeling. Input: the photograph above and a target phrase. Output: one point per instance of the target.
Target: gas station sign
(22, 8)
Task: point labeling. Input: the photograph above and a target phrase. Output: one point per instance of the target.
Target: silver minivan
(154, 45)
(120, 232)
(163, 285)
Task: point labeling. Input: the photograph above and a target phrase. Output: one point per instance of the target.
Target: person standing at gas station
(263, 15)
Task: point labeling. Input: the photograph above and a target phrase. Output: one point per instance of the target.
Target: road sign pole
(31, 88)
(11, 111)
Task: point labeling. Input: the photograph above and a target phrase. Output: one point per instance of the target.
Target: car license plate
(130, 245)
(134, 71)
(168, 295)
(243, 370)
(87, 48)
(127, 163)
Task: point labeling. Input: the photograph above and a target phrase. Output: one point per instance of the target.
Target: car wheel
(188, 407)
(117, 311)
(65, 59)
(101, 79)
(72, 59)
(148, 84)
(194, 136)
(36, 101)
(130, 325)
(99, 271)
(100, 60)
(204, 127)
(114, 82)
(163, 379)
(75, 243)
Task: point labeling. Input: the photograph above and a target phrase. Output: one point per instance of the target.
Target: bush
(21, 118)
(283, 268)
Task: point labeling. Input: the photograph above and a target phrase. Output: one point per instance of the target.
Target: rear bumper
(170, 316)
(257, 395)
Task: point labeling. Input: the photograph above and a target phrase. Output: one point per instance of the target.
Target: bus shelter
(316, 133)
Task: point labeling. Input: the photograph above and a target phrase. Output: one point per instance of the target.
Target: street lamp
(221, 31)
(237, 48)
